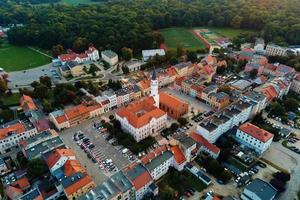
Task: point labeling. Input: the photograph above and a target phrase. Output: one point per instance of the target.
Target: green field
(11, 99)
(181, 36)
(226, 32)
(16, 58)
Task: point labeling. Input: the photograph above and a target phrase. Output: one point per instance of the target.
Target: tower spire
(153, 74)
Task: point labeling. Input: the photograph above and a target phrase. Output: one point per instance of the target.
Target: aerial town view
(149, 100)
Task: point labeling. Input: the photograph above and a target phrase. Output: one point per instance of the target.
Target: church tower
(154, 88)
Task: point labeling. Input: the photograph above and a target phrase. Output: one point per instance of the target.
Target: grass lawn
(12, 99)
(181, 36)
(176, 183)
(237, 164)
(227, 32)
(17, 58)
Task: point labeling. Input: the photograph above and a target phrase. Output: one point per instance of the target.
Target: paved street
(293, 185)
(194, 104)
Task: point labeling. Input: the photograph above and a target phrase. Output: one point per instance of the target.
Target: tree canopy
(115, 24)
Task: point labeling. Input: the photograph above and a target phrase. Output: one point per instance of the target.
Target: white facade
(295, 86)
(61, 162)
(253, 143)
(93, 54)
(211, 130)
(139, 194)
(154, 89)
(162, 168)
(274, 50)
(59, 126)
(151, 129)
(13, 139)
(110, 57)
(96, 112)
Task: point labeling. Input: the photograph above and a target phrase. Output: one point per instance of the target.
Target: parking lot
(100, 158)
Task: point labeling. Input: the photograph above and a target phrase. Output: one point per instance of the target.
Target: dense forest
(129, 23)
(36, 1)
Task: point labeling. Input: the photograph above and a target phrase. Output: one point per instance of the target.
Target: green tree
(125, 70)
(80, 44)
(182, 121)
(36, 168)
(41, 91)
(47, 106)
(291, 104)
(126, 53)
(93, 69)
(46, 80)
(192, 56)
(253, 73)
(57, 50)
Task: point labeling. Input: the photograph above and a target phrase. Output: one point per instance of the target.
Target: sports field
(226, 32)
(17, 58)
(181, 36)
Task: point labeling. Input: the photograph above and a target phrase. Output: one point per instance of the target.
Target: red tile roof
(171, 71)
(27, 103)
(57, 154)
(13, 192)
(141, 112)
(67, 57)
(78, 185)
(179, 80)
(71, 167)
(172, 102)
(198, 88)
(200, 139)
(270, 92)
(15, 128)
(178, 155)
(144, 84)
(256, 132)
(22, 183)
(150, 156)
(76, 111)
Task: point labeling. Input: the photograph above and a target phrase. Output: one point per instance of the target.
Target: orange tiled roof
(198, 88)
(16, 128)
(27, 103)
(13, 192)
(270, 92)
(171, 101)
(200, 139)
(22, 183)
(76, 111)
(71, 167)
(211, 58)
(178, 155)
(61, 119)
(144, 84)
(171, 71)
(256, 132)
(57, 154)
(270, 67)
(78, 185)
(179, 80)
(141, 112)
(94, 107)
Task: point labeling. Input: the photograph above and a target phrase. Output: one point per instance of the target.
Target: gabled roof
(75, 182)
(21, 183)
(57, 154)
(13, 192)
(262, 189)
(270, 92)
(12, 129)
(256, 132)
(27, 103)
(76, 111)
(71, 167)
(201, 140)
(178, 155)
(141, 112)
(172, 101)
(144, 84)
(171, 71)
(138, 175)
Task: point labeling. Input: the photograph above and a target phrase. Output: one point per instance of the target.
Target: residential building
(259, 190)
(13, 132)
(92, 54)
(158, 161)
(40, 144)
(117, 187)
(112, 97)
(142, 118)
(184, 69)
(148, 54)
(198, 173)
(259, 46)
(140, 179)
(204, 146)
(174, 106)
(187, 146)
(76, 185)
(3, 167)
(110, 57)
(275, 50)
(218, 100)
(235, 114)
(207, 91)
(295, 87)
(179, 158)
(254, 137)
(258, 101)
(134, 65)
(144, 86)
(27, 104)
